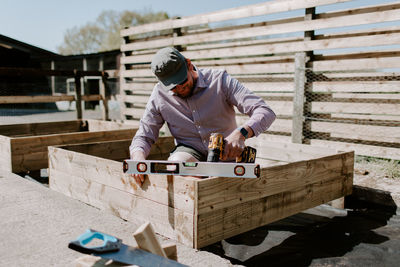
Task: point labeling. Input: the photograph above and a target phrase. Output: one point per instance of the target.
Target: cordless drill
(216, 149)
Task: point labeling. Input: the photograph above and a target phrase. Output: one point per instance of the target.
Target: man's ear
(189, 64)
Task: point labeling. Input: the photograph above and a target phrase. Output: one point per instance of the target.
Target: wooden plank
(375, 118)
(167, 221)
(279, 125)
(284, 28)
(357, 64)
(220, 193)
(147, 240)
(356, 86)
(294, 152)
(41, 128)
(30, 153)
(360, 149)
(289, 47)
(92, 97)
(5, 152)
(231, 69)
(10, 71)
(135, 113)
(354, 131)
(361, 10)
(258, 87)
(279, 107)
(223, 223)
(228, 14)
(100, 125)
(380, 98)
(35, 99)
(139, 86)
(362, 108)
(175, 192)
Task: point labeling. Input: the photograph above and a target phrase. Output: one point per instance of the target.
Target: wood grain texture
(224, 223)
(220, 193)
(167, 221)
(28, 142)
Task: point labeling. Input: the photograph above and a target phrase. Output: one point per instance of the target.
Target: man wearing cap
(196, 102)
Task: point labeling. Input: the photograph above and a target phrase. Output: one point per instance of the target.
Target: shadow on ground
(369, 235)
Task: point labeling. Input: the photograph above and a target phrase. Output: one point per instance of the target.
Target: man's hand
(234, 144)
(139, 178)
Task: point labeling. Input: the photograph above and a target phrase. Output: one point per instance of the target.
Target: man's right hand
(139, 178)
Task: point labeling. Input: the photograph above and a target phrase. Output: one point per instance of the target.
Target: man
(194, 103)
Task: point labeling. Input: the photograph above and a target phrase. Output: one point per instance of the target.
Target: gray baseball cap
(170, 67)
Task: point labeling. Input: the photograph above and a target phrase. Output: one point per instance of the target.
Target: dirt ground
(378, 174)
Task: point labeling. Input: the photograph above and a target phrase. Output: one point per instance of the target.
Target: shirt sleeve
(149, 128)
(261, 115)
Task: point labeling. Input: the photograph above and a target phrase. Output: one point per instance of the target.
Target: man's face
(185, 89)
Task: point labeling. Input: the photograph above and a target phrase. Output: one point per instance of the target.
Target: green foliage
(103, 34)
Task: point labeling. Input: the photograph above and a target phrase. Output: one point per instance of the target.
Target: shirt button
(194, 111)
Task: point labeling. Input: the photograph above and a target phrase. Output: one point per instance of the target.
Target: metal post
(78, 97)
(103, 90)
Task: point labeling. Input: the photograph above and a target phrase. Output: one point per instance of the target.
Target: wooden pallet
(23, 147)
(199, 212)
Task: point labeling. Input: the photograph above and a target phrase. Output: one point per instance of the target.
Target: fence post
(301, 105)
(78, 100)
(299, 97)
(103, 90)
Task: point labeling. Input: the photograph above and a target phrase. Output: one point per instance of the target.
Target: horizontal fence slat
(357, 64)
(290, 47)
(361, 108)
(45, 98)
(360, 149)
(354, 86)
(229, 14)
(307, 25)
(354, 131)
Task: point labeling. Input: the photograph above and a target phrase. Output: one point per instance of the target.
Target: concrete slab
(36, 225)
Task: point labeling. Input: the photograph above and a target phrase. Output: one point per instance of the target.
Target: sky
(43, 23)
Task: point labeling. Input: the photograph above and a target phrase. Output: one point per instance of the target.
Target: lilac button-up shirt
(210, 109)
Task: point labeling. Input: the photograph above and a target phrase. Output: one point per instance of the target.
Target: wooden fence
(332, 77)
(78, 97)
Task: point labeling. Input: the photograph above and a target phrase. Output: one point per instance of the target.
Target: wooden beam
(228, 14)
(147, 240)
(8, 71)
(289, 47)
(299, 97)
(219, 193)
(306, 26)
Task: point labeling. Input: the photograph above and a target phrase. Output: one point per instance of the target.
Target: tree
(103, 34)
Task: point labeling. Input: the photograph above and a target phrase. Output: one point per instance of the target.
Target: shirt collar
(200, 84)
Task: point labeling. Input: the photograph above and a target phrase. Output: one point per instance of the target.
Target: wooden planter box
(23, 147)
(199, 212)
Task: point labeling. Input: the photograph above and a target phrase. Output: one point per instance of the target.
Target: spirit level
(224, 169)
